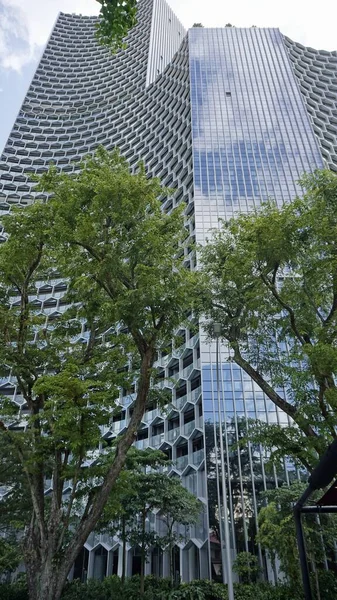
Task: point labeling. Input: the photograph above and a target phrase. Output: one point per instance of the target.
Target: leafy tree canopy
(246, 566)
(116, 18)
(145, 492)
(272, 281)
(278, 536)
(102, 231)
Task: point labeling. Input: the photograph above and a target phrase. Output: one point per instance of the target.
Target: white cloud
(14, 47)
(25, 25)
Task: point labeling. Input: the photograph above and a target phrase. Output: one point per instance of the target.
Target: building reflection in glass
(252, 140)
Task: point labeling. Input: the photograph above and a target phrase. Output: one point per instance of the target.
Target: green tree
(15, 508)
(246, 566)
(65, 391)
(105, 231)
(273, 276)
(177, 507)
(144, 493)
(120, 515)
(278, 536)
(144, 498)
(116, 18)
(10, 557)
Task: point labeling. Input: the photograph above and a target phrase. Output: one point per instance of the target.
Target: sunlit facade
(227, 117)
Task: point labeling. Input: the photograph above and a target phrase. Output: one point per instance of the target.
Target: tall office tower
(228, 117)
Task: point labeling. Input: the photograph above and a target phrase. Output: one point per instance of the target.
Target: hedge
(111, 588)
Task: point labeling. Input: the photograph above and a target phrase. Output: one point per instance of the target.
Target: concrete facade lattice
(227, 117)
(316, 71)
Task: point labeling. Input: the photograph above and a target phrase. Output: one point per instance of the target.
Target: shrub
(111, 588)
(327, 585)
(200, 590)
(13, 591)
(246, 566)
(156, 588)
(264, 591)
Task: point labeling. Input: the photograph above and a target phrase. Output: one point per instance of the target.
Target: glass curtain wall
(252, 140)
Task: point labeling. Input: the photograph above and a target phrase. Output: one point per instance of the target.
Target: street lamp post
(227, 560)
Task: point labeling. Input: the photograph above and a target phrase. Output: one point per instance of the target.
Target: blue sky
(26, 24)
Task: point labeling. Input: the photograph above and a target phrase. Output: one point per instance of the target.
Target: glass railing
(151, 414)
(198, 457)
(141, 444)
(180, 402)
(181, 462)
(196, 393)
(126, 400)
(117, 426)
(187, 371)
(193, 341)
(188, 427)
(170, 382)
(156, 440)
(178, 351)
(173, 434)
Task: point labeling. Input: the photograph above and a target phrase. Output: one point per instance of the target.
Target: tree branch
(272, 287)
(96, 504)
(288, 408)
(91, 343)
(334, 300)
(34, 493)
(313, 305)
(88, 248)
(323, 387)
(273, 279)
(34, 265)
(66, 517)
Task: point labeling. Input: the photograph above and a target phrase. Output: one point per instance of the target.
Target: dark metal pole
(319, 478)
(303, 556)
(301, 543)
(319, 509)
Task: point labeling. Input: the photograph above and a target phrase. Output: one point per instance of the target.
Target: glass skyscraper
(228, 117)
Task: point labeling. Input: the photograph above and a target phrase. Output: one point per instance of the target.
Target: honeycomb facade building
(316, 72)
(228, 117)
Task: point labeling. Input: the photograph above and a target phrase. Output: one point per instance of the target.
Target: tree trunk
(142, 555)
(171, 563)
(47, 568)
(45, 582)
(171, 546)
(123, 551)
(45, 578)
